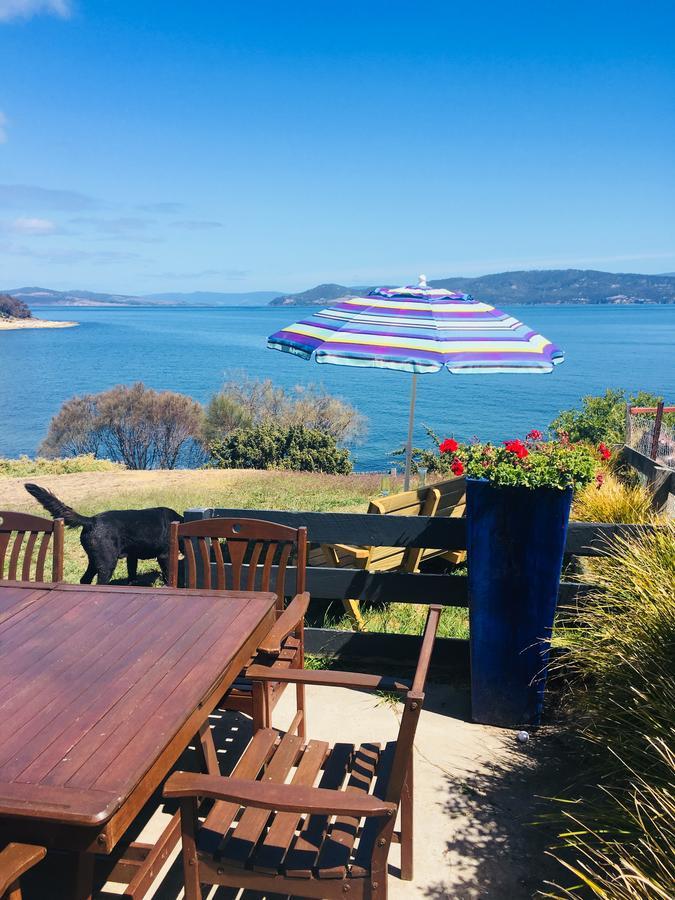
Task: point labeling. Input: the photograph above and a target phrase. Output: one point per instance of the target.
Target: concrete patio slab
(476, 797)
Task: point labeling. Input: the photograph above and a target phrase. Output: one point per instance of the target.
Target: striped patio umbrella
(419, 329)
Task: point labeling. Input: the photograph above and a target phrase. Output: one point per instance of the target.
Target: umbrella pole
(411, 421)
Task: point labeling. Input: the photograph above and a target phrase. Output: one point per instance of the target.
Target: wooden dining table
(101, 690)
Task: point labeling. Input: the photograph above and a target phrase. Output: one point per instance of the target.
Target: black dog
(109, 536)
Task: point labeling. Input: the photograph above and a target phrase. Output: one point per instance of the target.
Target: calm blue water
(194, 350)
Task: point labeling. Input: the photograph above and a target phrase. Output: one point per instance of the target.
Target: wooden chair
(16, 860)
(250, 555)
(274, 832)
(22, 555)
(445, 498)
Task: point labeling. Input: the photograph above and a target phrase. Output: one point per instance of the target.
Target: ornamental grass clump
(611, 500)
(531, 463)
(620, 836)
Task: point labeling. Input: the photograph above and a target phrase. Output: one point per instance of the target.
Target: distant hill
(215, 298)
(38, 296)
(322, 293)
(552, 286)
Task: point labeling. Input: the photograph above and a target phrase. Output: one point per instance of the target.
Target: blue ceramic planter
(515, 540)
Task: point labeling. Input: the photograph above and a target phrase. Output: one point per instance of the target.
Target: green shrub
(12, 307)
(270, 446)
(621, 653)
(24, 466)
(133, 424)
(244, 402)
(601, 418)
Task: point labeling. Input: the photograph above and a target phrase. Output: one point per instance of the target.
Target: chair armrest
(357, 680)
(287, 622)
(16, 859)
(279, 797)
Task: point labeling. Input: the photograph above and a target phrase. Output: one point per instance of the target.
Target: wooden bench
(445, 498)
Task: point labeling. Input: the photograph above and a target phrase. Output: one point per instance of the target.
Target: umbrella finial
(423, 281)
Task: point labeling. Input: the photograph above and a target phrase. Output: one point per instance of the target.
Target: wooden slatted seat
(15, 861)
(445, 498)
(25, 543)
(304, 818)
(251, 555)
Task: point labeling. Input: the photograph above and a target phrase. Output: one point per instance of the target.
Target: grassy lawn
(93, 491)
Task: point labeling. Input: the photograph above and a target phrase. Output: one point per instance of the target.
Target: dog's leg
(88, 576)
(132, 567)
(163, 560)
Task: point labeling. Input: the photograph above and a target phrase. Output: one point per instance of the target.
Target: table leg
(84, 876)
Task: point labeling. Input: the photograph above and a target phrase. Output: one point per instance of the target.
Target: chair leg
(407, 815)
(13, 891)
(353, 610)
(188, 819)
(261, 706)
(300, 700)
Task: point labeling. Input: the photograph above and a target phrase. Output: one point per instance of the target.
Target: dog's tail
(58, 509)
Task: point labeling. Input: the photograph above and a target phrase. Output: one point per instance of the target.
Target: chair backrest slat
(21, 535)
(28, 555)
(42, 556)
(253, 562)
(282, 564)
(220, 565)
(205, 556)
(191, 574)
(246, 554)
(4, 541)
(14, 555)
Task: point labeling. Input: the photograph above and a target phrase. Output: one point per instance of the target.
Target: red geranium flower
(449, 445)
(457, 467)
(534, 435)
(518, 448)
(604, 450)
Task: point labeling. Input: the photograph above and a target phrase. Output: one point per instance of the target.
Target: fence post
(627, 427)
(656, 434)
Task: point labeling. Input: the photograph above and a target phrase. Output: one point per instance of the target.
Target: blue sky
(244, 144)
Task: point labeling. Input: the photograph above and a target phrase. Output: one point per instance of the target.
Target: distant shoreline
(189, 306)
(12, 324)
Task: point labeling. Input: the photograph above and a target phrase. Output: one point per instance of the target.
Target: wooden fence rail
(583, 539)
(660, 478)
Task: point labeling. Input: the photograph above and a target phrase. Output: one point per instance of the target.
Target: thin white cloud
(3, 126)
(65, 256)
(32, 197)
(123, 225)
(29, 226)
(235, 274)
(25, 9)
(197, 224)
(164, 207)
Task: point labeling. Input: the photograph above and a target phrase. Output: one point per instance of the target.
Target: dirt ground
(86, 486)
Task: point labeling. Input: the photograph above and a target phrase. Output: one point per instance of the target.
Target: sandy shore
(9, 324)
